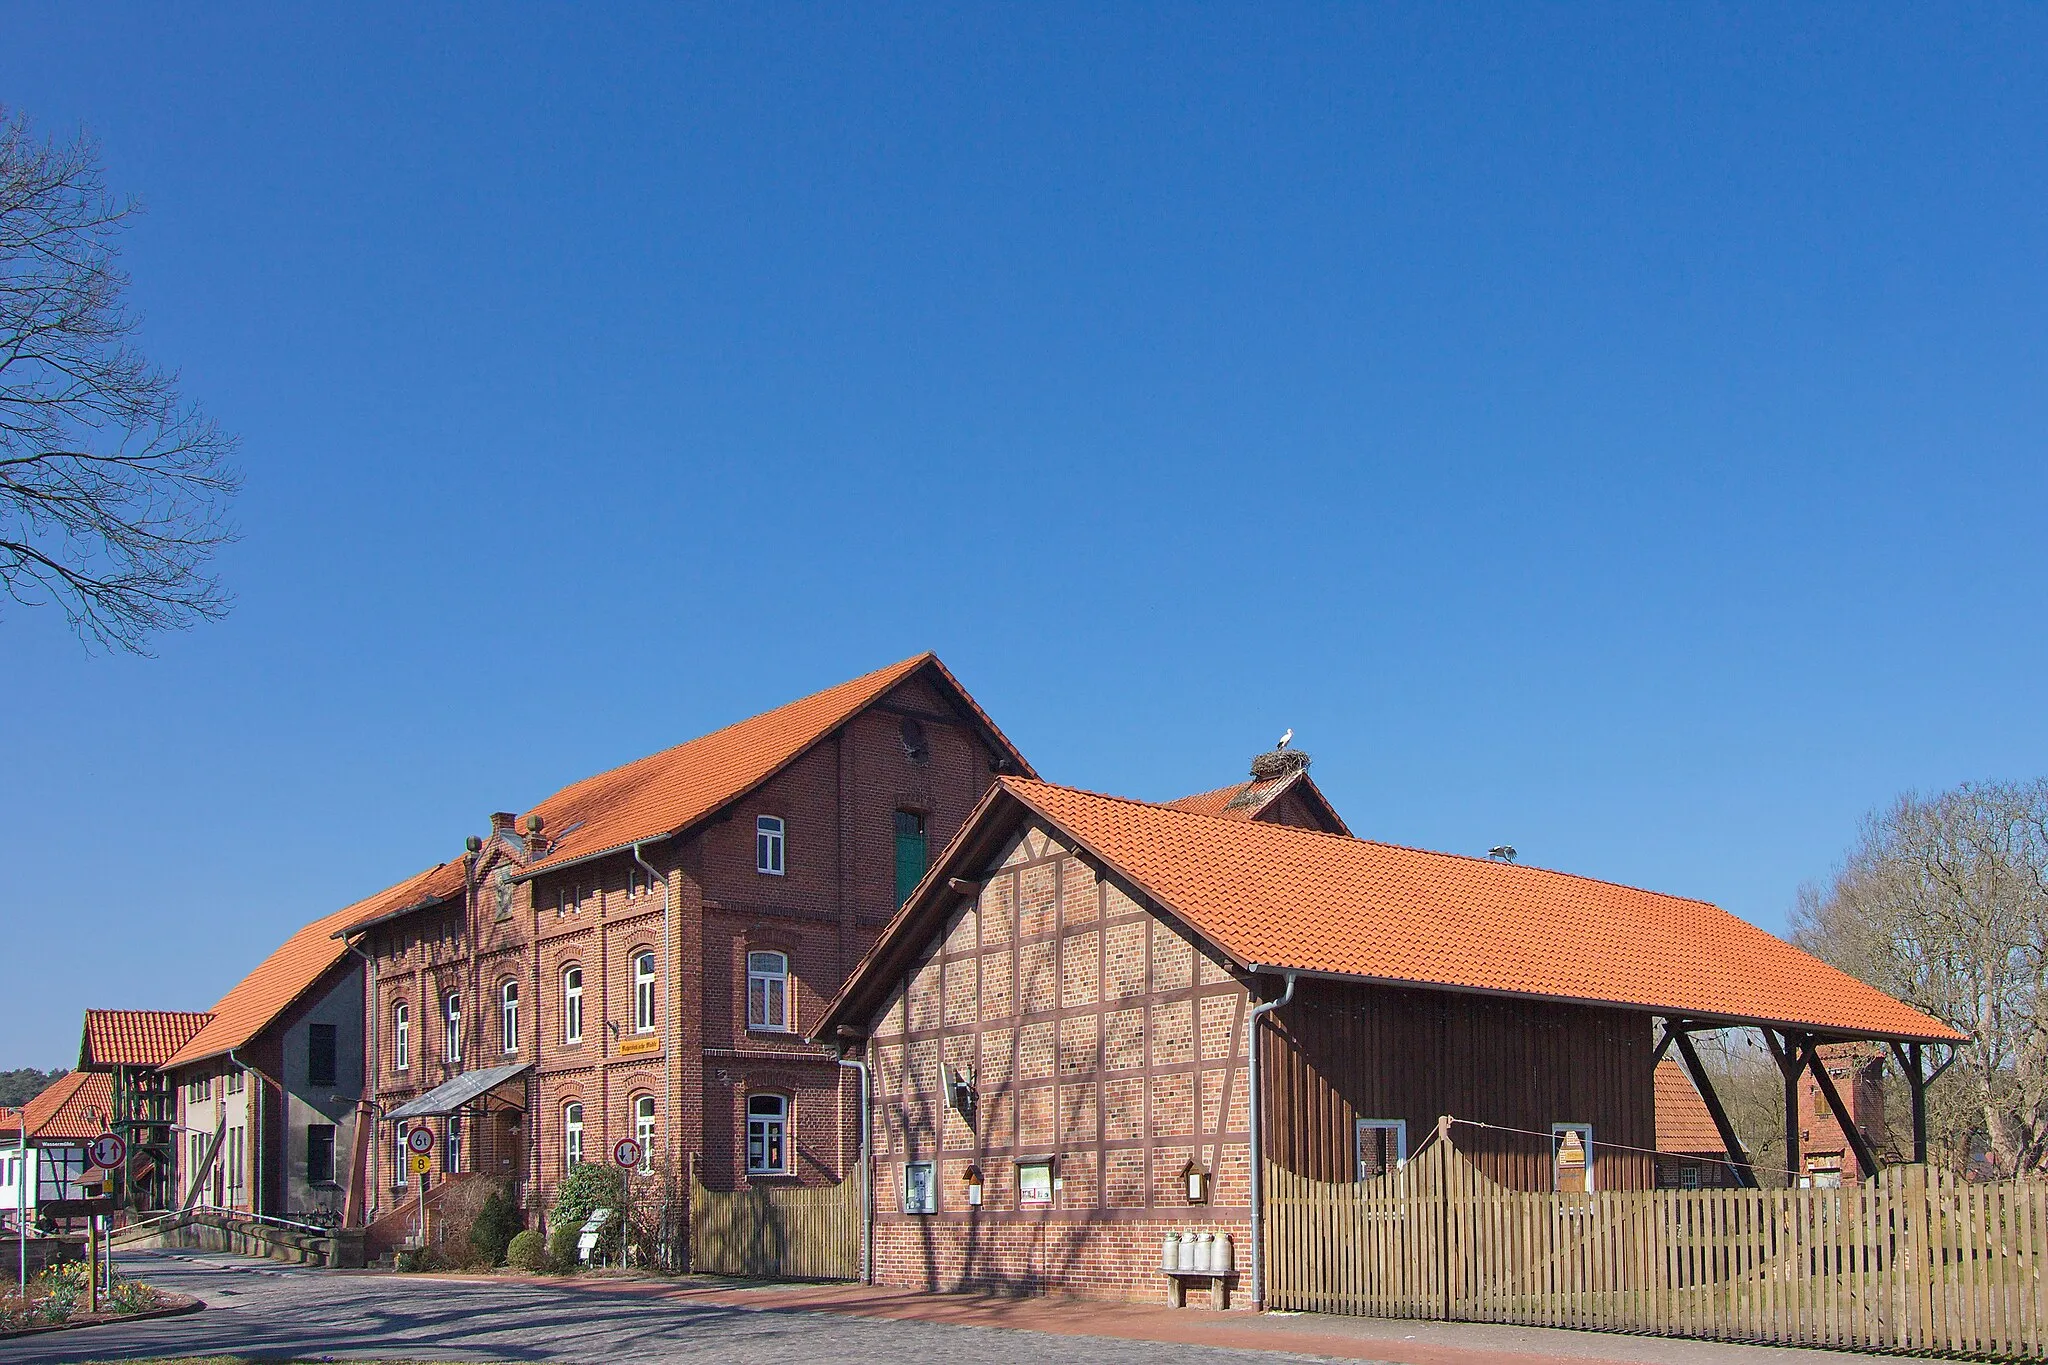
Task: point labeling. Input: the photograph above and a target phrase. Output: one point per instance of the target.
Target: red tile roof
(135, 1037)
(1279, 898)
(300, 961)
(669, 791)
(1282, 897)
(1246, 800)
(77, 1106)
(1683, 1123)
(1239, 801)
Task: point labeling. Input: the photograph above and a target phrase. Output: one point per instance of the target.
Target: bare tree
(113, 487)
(1944, 903)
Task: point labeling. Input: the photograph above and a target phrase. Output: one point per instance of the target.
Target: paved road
(256, 1308)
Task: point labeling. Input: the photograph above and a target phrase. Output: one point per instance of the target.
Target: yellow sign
(634, 1047)
(422, 1164)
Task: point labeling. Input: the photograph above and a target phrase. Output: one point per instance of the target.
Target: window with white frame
(1381, 1146)
(451, 1160)
(508, 1015)
(768, 845)
(643, 1129)
(643, 992)
(767, 1135)
(451, 1042)
(572, 1135)
(401, 1037)
(768, 992)
(1562, 1171)
(572, 1005)
(641, 882)
(399, 1153)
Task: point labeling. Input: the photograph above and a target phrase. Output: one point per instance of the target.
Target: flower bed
(57, 1298)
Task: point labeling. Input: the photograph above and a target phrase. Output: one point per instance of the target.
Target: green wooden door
(910, 853)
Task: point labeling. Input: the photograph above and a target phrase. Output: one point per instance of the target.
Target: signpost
(420, 1142)
(626, 1155)
(108, 1151)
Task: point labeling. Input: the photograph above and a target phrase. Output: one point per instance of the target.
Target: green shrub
(419, 1258)
(587, 1188)
(528, 1251)
(497, 1223)
(562, 1247)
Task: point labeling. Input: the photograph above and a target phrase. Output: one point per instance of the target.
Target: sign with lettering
(641, 1046)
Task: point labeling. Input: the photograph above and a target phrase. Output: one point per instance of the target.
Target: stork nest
(1279, 763)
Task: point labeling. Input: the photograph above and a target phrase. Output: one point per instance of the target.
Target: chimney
(502, 822)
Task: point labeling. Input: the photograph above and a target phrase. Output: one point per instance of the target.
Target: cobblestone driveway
(259, 1309)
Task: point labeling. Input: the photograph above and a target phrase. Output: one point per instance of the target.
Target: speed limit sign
(421, 1140)
(108, 1151)
(627, 1153)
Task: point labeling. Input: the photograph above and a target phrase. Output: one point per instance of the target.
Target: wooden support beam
(1787, 1058)
(1866, 1159)
(1745, 1173)
(1916, 1084)
(1671, 1030)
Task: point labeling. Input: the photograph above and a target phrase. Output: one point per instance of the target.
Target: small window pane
(768, 845)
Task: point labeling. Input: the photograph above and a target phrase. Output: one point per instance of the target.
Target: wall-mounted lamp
(974, 1185)
(1197, 1181)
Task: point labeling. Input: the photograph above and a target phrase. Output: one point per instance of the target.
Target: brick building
(269, 1091)
(1690, 1153)
(1828, 1157)
(130, 1047)
(1061, 1028)
(640, 954)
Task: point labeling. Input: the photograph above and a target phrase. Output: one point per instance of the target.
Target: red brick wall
(838, 890)
(1078, 1011)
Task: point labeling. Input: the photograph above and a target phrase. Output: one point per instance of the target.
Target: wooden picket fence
(775, 1232)
(1914, 1260)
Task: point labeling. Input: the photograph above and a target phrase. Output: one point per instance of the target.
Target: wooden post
(1916, 1078)
(1787, 1058)
(1745, 1174)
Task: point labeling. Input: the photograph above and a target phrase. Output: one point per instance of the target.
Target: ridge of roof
(1284, 898)
(116, 1037)
(61, 1110)
(294, 965)
(663, 793)
(1372, 843)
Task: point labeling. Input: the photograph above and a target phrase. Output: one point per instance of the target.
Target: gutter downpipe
(668, 1004)
(1258, 1125)
(867, 1171)
(367, 1200)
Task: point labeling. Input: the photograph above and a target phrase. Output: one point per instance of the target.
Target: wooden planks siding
(777, 1232)
(1343, 1052)
(1913, 1260)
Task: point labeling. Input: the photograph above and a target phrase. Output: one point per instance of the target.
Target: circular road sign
(627, 1153)
(108, 1151)
(421, 1140)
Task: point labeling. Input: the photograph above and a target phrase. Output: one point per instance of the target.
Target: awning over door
(461, 1093)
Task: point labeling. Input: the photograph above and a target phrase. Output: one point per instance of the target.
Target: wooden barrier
(1915, 1259)
(776, 1232)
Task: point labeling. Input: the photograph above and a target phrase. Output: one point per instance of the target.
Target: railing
(1916, 1259)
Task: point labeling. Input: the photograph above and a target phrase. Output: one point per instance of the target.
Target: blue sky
(1611, 431)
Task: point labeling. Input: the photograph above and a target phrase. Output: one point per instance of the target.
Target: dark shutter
(910, 853)
(320, 1146)
(320, 1051)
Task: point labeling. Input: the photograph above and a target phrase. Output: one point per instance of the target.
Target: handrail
(264, 1218)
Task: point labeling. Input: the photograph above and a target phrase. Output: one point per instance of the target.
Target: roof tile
(77, 1105)
(668, 791)
(301, 960)
(136, 1037)
(1683, 1123)
(1282, 897)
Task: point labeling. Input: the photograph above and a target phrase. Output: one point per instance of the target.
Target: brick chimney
(1857, 1069)
(503, 822)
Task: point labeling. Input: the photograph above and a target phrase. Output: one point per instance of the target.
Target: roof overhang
(992, 822)
(364, 925)
(460, 1093)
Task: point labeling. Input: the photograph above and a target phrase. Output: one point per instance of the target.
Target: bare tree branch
(113, 487)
